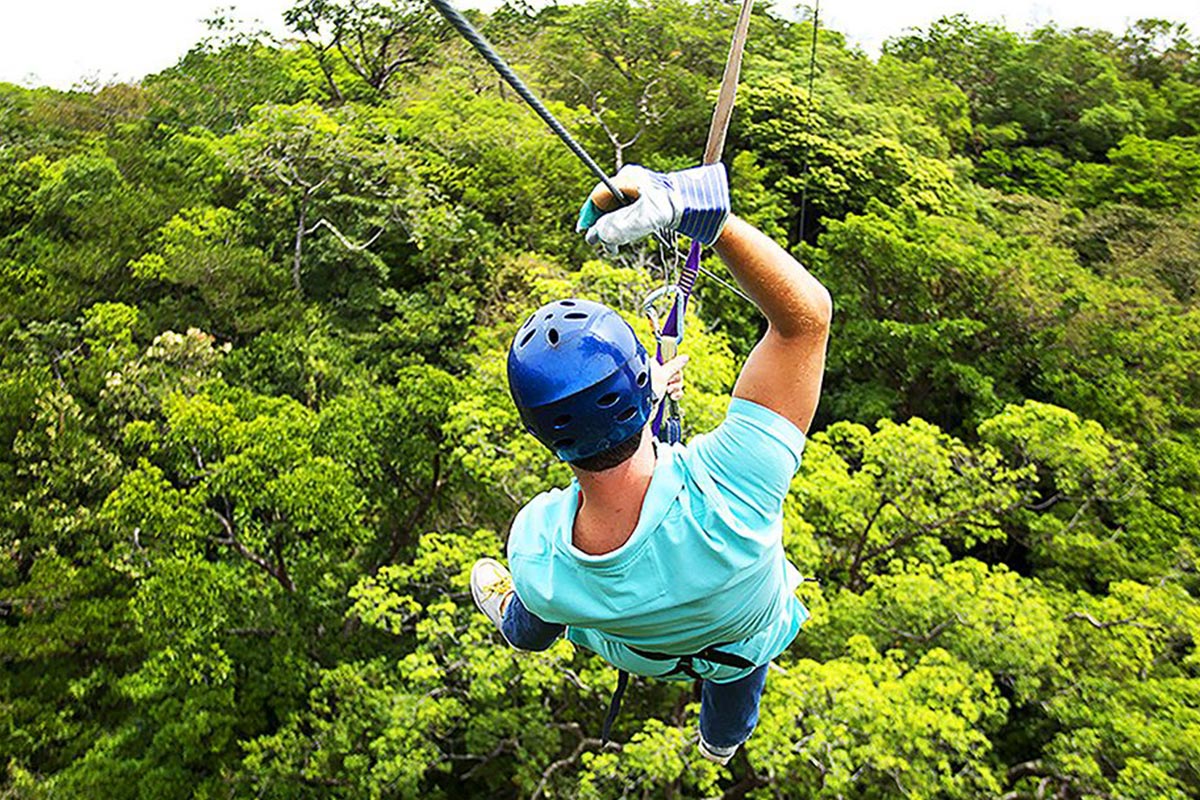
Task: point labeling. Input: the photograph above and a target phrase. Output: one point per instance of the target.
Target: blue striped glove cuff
(701, 199)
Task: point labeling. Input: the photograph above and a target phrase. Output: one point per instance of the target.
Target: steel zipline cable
(468, 32)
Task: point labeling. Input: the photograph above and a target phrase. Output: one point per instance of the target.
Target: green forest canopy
(255, 426)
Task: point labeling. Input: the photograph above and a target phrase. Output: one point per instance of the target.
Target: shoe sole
(476, 589)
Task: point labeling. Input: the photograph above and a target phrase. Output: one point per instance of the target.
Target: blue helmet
(580, 378)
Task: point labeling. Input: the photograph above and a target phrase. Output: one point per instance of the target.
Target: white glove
(694, 202)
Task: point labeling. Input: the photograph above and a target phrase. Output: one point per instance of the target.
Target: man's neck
(612, 501)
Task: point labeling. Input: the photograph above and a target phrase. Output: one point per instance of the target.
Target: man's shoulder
(538, 522)
(748, 461)
(749, 434)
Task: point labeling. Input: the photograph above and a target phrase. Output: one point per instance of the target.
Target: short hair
(612, 457)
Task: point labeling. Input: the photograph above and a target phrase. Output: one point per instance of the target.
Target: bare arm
(785, 368)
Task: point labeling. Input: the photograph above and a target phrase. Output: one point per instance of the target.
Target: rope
(714, 276)
(715, 145)
(668, 424)
(464, 27)
(812, 109)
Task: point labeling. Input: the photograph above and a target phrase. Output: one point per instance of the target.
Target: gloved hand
(694, 202)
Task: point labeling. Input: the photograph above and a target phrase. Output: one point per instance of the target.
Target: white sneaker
(491, 586)
(717, 755)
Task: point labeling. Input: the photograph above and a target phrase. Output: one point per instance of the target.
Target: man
(666, 560)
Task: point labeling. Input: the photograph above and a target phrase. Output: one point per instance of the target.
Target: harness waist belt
(684, 665)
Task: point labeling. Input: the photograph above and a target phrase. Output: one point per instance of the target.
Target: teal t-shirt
(705, 564)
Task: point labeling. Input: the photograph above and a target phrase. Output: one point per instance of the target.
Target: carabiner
(651, 310)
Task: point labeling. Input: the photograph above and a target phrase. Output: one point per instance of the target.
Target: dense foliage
(254, 426)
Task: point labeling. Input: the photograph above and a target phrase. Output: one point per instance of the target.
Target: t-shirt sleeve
(528, 556)
(752, 456)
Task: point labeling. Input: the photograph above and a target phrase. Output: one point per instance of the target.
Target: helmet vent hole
(552, 335)
(549, 316)
(562, 422)
(627, 414)
(529, 321)
(608, 400)
(525, 339)
(641, 379)
(576, 315)
(561, 443)
(566, 302)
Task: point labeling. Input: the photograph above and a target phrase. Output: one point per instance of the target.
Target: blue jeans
(525, 630)
(728, 711)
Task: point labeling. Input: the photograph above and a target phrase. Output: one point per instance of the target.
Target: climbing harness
(684, 665)
(668, 423)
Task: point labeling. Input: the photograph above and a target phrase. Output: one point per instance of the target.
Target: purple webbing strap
(712, 155)
(656, 424)
(687, 280)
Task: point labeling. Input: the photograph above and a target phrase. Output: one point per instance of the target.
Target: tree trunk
(299, 248)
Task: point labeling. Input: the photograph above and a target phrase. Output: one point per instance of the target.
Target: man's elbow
(823, 308)
(812, 317)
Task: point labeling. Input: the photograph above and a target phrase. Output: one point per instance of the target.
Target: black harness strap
(684, 665)
(614, 705)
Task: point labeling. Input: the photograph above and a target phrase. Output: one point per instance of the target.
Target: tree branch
(506, 744)
(585, 743)
(1098, 625)
(860, 547)
(349, 245)
(422, 508)
(231, 540)
(931, 634)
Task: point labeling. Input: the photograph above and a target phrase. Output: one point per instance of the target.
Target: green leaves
(1077, 456)
(838, 153)
(1144, 172)
(642, 71)
(907, 490)
(857, 724)
(990, 618)
(657, 755)
(247, 470)
(362, 736)
(371, 43)
(202, 249)
(329, 172)
(255, 425)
